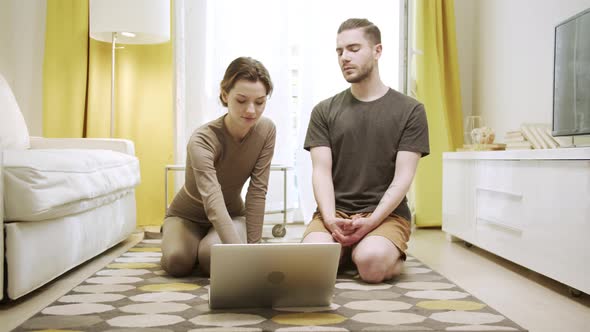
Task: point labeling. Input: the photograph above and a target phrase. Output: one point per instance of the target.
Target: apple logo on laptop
(275, 277)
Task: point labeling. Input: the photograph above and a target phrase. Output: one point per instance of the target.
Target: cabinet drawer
(499, 195)
(505, 176)
(502, 210)
(499, 221)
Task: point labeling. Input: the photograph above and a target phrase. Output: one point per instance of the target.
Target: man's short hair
(372, 32)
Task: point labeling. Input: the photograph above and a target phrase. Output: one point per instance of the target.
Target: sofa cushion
(47, 184)
(13, 129)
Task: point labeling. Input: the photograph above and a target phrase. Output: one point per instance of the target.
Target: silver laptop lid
(273, 275)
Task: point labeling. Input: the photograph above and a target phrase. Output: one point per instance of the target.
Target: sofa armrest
(114, 144)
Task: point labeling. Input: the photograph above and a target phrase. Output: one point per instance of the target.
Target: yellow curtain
(65, 67)
(438, 87)
(143, 97)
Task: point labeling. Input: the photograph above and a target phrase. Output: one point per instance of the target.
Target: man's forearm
(323, 190)
(389, 202)
(407, 162)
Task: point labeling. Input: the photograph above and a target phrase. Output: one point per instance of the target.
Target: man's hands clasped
(349, 231)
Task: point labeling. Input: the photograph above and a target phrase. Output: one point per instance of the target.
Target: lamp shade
(148, 20)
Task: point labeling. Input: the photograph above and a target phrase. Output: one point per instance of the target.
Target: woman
(221, 156)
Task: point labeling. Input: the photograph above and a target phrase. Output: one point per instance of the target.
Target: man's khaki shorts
(394, 228)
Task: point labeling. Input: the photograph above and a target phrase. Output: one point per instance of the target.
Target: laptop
(273, 275)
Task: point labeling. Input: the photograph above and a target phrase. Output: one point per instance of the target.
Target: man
(365, 143)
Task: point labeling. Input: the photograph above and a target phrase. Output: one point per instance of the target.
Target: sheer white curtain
(296, 41)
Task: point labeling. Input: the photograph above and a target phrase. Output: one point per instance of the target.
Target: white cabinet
(458, 202)
(531, 207)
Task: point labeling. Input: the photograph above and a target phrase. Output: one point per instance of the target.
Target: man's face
(357, 56)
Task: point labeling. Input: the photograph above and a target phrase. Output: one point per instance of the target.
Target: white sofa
(64, 200)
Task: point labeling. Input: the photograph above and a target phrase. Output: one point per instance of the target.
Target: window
(295, 40)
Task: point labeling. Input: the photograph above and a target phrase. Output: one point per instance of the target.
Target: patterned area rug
(134, 294)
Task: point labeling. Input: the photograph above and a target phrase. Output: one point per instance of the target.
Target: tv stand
(531, 207)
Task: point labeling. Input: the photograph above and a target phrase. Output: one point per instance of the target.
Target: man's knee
(370, 269)
(375, 266)
(177, 263)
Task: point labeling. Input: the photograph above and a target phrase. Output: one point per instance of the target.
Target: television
(571, 76)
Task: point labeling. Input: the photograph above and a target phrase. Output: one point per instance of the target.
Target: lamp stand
(113, 84)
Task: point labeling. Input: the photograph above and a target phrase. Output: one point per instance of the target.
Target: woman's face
(245, 103)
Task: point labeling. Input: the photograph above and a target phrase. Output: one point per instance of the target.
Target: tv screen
(571, 77)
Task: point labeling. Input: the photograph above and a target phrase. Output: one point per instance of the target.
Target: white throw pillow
(13, 129)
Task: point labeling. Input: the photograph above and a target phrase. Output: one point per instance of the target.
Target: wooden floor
(531, 300)
(535, 302)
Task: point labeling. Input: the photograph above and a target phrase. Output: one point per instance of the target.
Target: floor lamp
(128, 22)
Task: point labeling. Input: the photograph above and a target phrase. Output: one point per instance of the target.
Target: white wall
(5, 42)
(22, 45)
(506, 58)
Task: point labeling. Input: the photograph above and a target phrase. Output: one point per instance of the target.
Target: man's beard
(365, 72)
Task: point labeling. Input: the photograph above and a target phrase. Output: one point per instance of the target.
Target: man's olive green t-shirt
(217, 167)
(365, 138)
